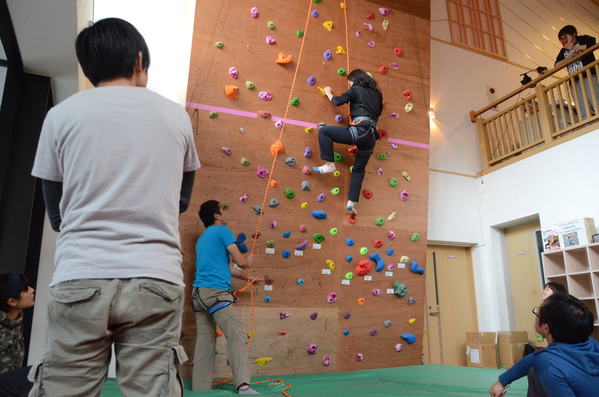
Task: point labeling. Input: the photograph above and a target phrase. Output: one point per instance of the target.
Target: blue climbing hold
(380, 263)
(240, 243)
(390, 251)
(266, 299)
(300, 281)
(286, 234)
(349, 258)
(286, 253)
(409, 338)
(319, 214)
(346, 332)
(349, 242)
(414, 266)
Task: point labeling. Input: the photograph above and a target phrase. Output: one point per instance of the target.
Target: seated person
(15, 296)
(569, 366)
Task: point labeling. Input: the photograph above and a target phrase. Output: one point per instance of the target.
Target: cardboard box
(577, 232)
(481, 349)
(510, 346)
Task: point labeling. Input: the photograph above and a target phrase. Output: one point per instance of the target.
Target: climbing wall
(315, 313)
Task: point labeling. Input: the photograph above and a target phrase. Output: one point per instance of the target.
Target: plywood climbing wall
(344, 329)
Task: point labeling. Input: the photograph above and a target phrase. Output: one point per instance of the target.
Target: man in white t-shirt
(117, 167)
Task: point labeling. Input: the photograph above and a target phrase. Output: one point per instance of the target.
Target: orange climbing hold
(231, 91)
(219, 333)
(274, 183)
(283, 59)
(277, 147)
(361, 301)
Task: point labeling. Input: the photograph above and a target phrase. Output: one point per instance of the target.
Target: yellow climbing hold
(385, 24)
(408, 108)
(337, 173)
(322, 91)
(263, 360)
(251, 334)
(308, 130)
(328, 25)
(304, 205)
(406, 175)
(340, 50)
(412, 321)
(342, 4)
(330, 264)
(392, 216)
(404, 259)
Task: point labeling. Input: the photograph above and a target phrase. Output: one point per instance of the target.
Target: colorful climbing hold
(363, 251)
(249, 85)
(263, 360)
(302, 246)
(373, 332)
(337, 173)
(219, 44)
(315, 13)
(306, 170)
(340, 50)
(261, 172)
(409, 338)
(332, 297)
(369, 16)
(333, 231)
(273, 224)
(313, 316)
(349, 258)
(271, 25)
(318, 237)
(382, 156)
(409, 107)
(371, 44)
(346, 315)
(286, 234)
(393, 182)
(367, 194)
(338, 157)
(404, 195)
(392, 216)
(376, 292)
(391, 234)
(270, 40)
(320, 198)
(335, 191)
(306, 186)
(412, 321)
(328, 25)
(349, 242)
(295, 101)
(312, 348)
(361, 301)
(299, 33)
(406, 176)
(383, 69)
(384, 11)
(311, 80)
(377, 243)
(213, 115)
(404, 259)
(244, 198)
(346, 332)
(398, 347)
(369, 27)
(273, 203)
(387, 323)
(415, 267)
(385, 24)
(407, 94)
(341, 71)
(283, 59)
(380, 263)
(262, 113)
(304, 205)
(363, 268)
(286, 254)
(317, 214)
(289, 193)
(233, 72)
(394, 65)
(290, 161)
(265, 96)
(330, 264)
(284, 315)
(415, 237)
(400, 289)
(339, 118)
(411, 300)
(398, 51)
(300, 281)
(257, 209)
(303, 228)
(277, 147)
(326, 361)
(359, 357)
(327, 55)
(254, 12)
(348, 275)
(226, 150)
(390, 251)
(380, 221)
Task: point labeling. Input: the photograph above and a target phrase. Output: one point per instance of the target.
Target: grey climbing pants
(226, 319)
(140, 316)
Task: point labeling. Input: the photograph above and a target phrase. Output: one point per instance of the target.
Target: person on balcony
(573, 44)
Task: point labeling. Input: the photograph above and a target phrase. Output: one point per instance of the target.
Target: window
(477, 24)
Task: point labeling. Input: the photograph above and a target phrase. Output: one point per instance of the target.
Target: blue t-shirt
(212, 258)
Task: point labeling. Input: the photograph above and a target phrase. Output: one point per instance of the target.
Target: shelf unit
(576, 268)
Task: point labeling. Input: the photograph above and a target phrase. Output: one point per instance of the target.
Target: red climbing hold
(369, 16)
(352, 150)
(382, 133)
(407, 94)
(367, 193)
(383, 69)
(351, 218)
(256, 235)
(376, 243)
(398, 51)
(270, 281)
(363, 268)
(264, 114)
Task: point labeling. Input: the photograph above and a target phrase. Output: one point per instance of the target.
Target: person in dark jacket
(15, 296)
(569, 366)
(365, 107)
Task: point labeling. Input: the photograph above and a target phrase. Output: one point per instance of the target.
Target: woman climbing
(365, 107)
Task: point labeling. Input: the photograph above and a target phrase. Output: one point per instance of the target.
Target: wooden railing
(538, 121)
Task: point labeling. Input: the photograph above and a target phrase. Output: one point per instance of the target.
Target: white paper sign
(316, 246)
(345, 282)
(298, 253)
(270, 250)
(389, 291)
(367, 278)
(388, 274)
(268, 288)
(475, 356)
(326, 271)
(401, 265)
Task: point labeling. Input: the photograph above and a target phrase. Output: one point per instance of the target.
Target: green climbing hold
(351, 168)
(349, 275)
(380, 221)
(299, 33)
(213, 115)
(393, 182)
(249, 85)
(318, 237)
(333, 231)
(289, 193)
(317, 1)
(400, 289)
(270, 243)
(335, 191)
(338, 157)
(295, 101)
(271, 25)
(245, 162)
(363, 251)
(415, 237)
(382, 156)
(219, 44)
(341, 72)
(224, 206)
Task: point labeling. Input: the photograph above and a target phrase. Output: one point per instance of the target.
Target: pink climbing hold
(404, 195)
(379, 172)
(244, 198)
(394, 145)
(394, 65)
(394, 115)
(254, 12)
(270, 40)
(390, 267)
(284, 315)
(332, 297)
(264, 114)
(233, 72)
(384, 11)
(265, 95)
(376, 292)
(358, 33)
(303, 228)
(306, 170)
(261, 172)
(391, 235)
(368, 26)
(312, 348)
(272, 224)
(407, 94)
(279, 124)
(326, 361)
(359, 357)
(226, 150)
(398, 347)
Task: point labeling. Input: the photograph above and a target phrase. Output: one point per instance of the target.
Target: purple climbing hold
(302, 246)
(379, 172)
(313, 316)
(272, 224)
(332, 297)
(376, 292)
(359, 357)
(312, 348)
(261, 172)
(395, 65)
(320, 197)
(371, 44)
(338, 118)
(315, 13)
(244, 198)
(346, 315)
(327, 55)
(373, 332)
(308, 152)
(311, 80)
(283, 315)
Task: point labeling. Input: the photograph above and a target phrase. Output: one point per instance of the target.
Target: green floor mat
(412, 381)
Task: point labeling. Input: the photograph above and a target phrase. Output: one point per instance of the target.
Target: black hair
(569, 320)
(568, 29)
(108, 50)
(557, 288)
(11, 286)
(207, 211)
(361, 78)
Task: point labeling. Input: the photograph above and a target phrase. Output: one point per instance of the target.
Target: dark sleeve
(52, 192)
(517, 371)
(587, 40)
(346, 97)
(560, 56)
(186, 190)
